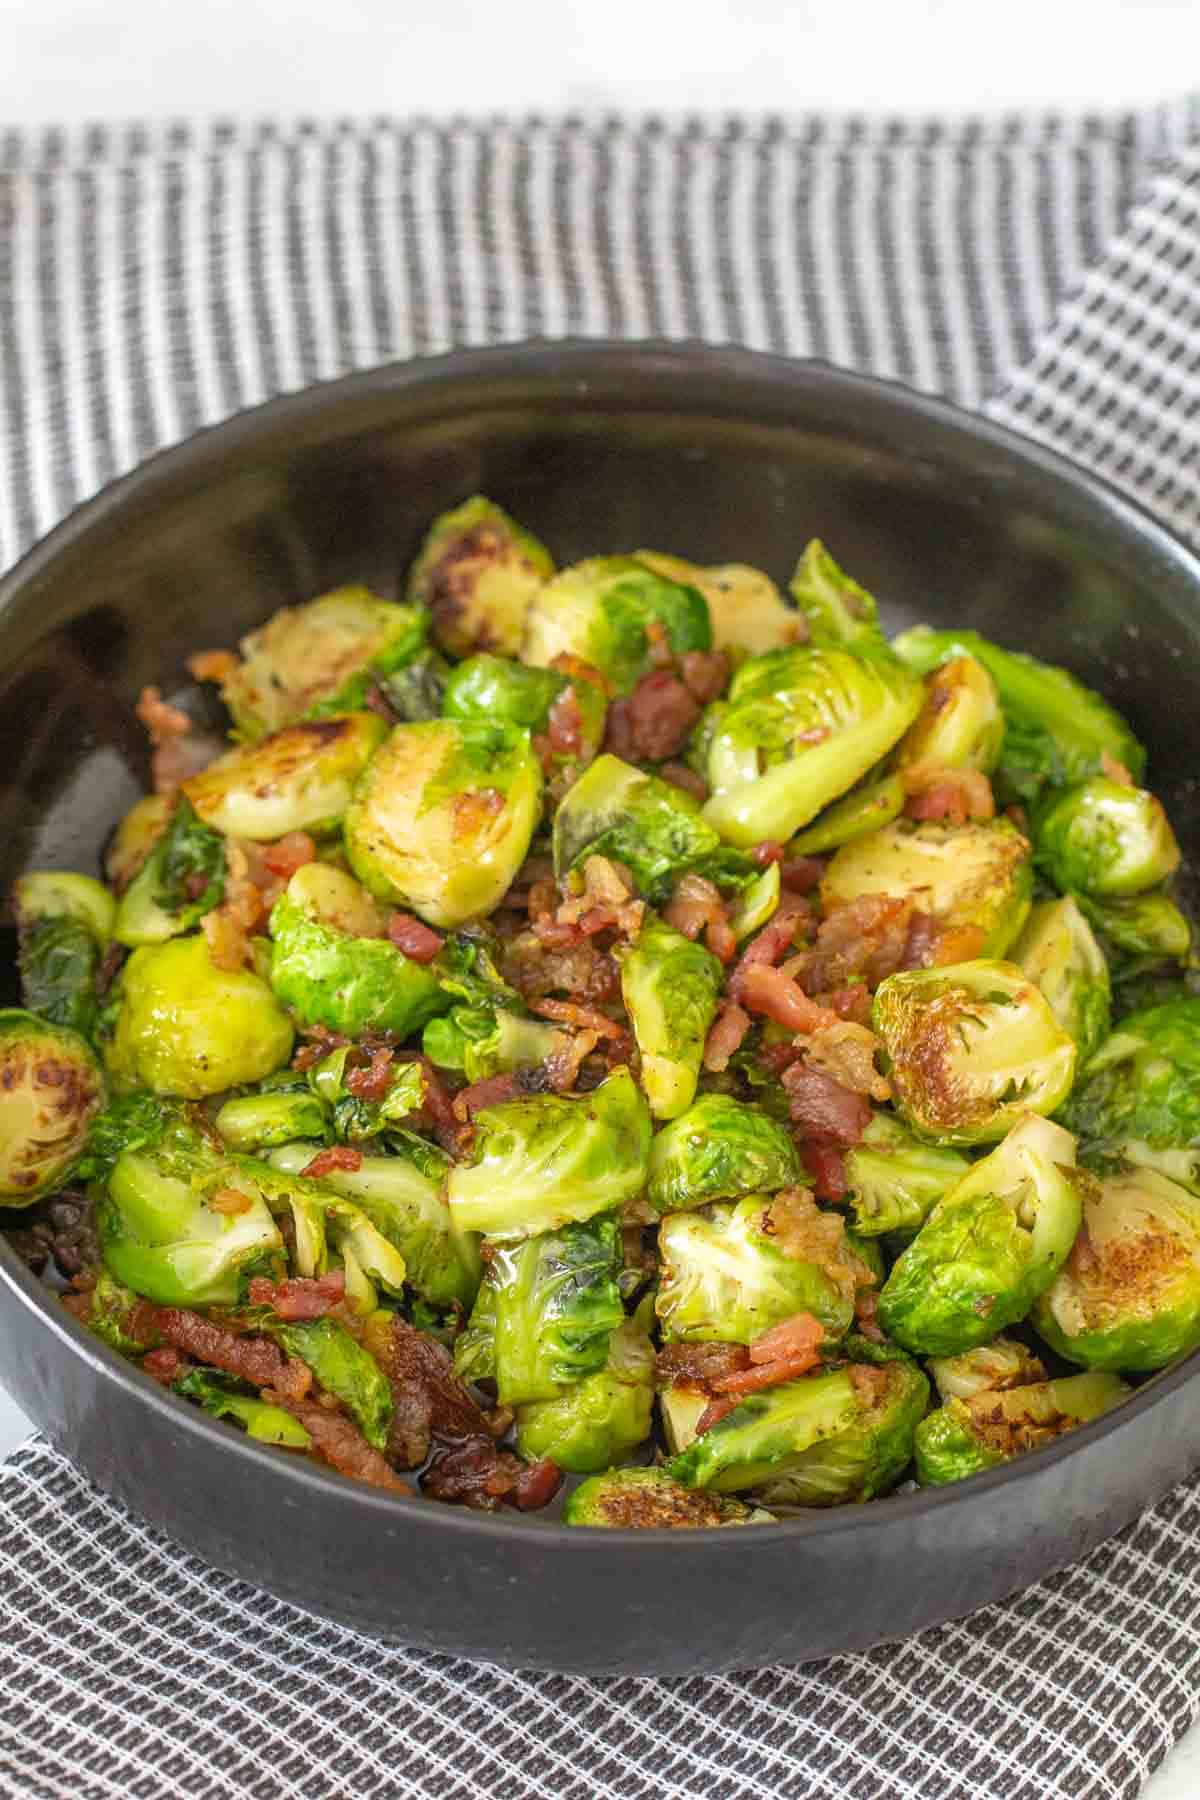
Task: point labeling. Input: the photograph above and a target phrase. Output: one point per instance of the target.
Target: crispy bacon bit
(438, 1107)
(255, 1360)
(695, 906)
(178, 750)
(288, 854)
(607, 898)
(327, 1162)
(212, 665)
(864, 940)
(800, 874)
(952, 795)
(714, 1412)
(778, 995)
(164, 1365)
(536, 1485)
(565, 1012)
(725, 1036)
(336, 1440)
(767, 852)
(661, 653)
(792, 1337)
(698, 1366)
(560, 1070)
(493, 1091)
(847, 1052)
(680, 776)
(923, 934)
(823, 1108)
(564, 724)
(576, 669)
(230, 1201)
(827, 1167)
(706, 673)
(161, 720)
(866, 1303)
(414, 938)
(848, 1002)
(321, 1043)
(776, 939)
(653, 723)
(301, 1296)
(372, 1082)
(767, 1375)
(472, 810)
(478, 1475)
(1114, 770)
(430, 1400)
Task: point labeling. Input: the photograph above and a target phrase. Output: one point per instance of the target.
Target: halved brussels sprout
(970, 1048)
(113, 1314)
(599, 1419)
(650, 826)
(648, 1500)
(182, 879)
(298, 779)
(186, 1027)
(178, 1225)
(64, 923)
(960, 726)
(511, 693)
(839, 612)
(1056, 731)
(1105, 838)
(990, 1247)
(725, 1277)
(606, 611)
(319, 657)
(1058, 952)
(670, 986)
(991, 1367)
(57, 894)
(262, 1121)
(326, 976)
(799, 729)
(343, 1368)
(539, 1163)
(865, 809)
(443, 816)
(478, 572)
(747, 610)
(135, 837)
(1129, 1296)
(965, 1436)
(489, 1040)
(1144, 925)
(364, 1249)
(894, 1180)
(1138, 1100)
(962, 875)
(51, 1089)
(220, 1395)
(719, 1149)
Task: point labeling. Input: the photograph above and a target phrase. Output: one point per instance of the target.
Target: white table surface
(67, 61)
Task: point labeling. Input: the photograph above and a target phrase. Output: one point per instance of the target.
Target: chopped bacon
(653, 723)
(321, 1043)
(254, 1359)
(607, 898)
(827, 1167)
(921, 944)
(696, 905)
(800, 874)
(301, 1296)
(288, 854)
(767, 1374)
(706, 673)
(680, 776)
(823, 1108)
(437, 1104)
(336, 1440)
(564, 724)
(565, 1012)
(161, 720)
(863, 940)
(164, 1365)
(493, 1091)
(776, 939)
(847, 1053)
(714, 1412)
(372, 1083)
(227, 939)
(430, 1400)
(536, 1485)
(414, 938)
(328, 1162)
(576, 669)
(560, 1070)
(697, 1366)
(767, 852)
(952, 795)
(230, 1201)
(790, 1338)
(471, 811)
(725, 1036)
(581, 969)
(212, 665)
(478, 1475)
(1114, 770)
(178, 750)
(848, 1002)
(659, 644)
(764, 989)
(866, 1303)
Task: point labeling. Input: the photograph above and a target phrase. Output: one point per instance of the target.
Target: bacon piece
(847, 1053)
(823, 1108)
(698, 1366)
(288, 854)
(536, 1485)
(792, 1337)
(581, 969)
(864, 940)
(301, 1296)
(212, 665)
(848, 1002)
(827, 1167)
(606, 899)
(767, 1375)
(161, 720)
(696, 905)
(336, 1440)
(373, 1081)
(952, 795)
(800, 874)
(587, 1018)
(413, 938)
(438, 1106)
(493, 1091)
(164, 1365)
(321, 1043)
(564, 724)
(430, 1400)
(705, 673)
(478, 1475)
(327, 1162)
(714, 1412)
(767, 852)
(254, 1359)
(471, 811)
(680, 776)
(653, 723)
(776, 938)
(178, 750)
(560, 1070)
(763, 989)
(725, 1036)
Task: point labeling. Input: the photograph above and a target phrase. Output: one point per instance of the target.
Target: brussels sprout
(681, 1409)
(840, 614)
(869, 1457)
(133, 1121)
(261, 1121)
(1058, 952)
(894, 1180)
(1129, 1296)
(510, 693)
(64, 923)
(483, 1041)
(960, 725)
(364, 1248)
(758, 903)
(320, 657)
(596, 1421)
(963, 875)
(1138, 1099)
(162, 1235)
(670, 986)
(298, 779)
(606, 612)
(650, 826)
(402, 1194)
(990, 1247)
(1144, 925)
(1002, 1363)
(355, 1119)
(966, 1436)
(747, 611)
(648, 1500)
(724, 1276)
(970, 1048)
(51, 1089)
(326, 974)
(136, 836)
(827, 1438)
(549, 1305)
(799, 729)
(719, 1149)
(114, 1317)
(182, 879)
(186, 1027)
(542, 1162)
(866, 808)
(478, 572)
(1105, 838)
(343, 1368)
(414, 693)
(218, 1395)
(443, 817)
(1056, 731)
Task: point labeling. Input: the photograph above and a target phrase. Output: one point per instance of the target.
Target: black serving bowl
(720, 455)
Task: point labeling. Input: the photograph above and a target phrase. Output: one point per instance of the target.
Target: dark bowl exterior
(722, 455)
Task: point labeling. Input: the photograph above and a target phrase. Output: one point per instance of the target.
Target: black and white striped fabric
(152, 281)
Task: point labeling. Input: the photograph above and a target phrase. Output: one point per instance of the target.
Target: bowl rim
(591, 363)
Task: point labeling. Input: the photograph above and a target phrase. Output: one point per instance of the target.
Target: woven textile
(1047, 271)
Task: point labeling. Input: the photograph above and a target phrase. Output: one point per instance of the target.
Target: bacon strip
(415, 939)
(336, 1440)
(301, 1296)
(327, 1162)
(254, 1359)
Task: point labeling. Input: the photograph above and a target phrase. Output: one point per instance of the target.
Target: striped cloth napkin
(1045, 271)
